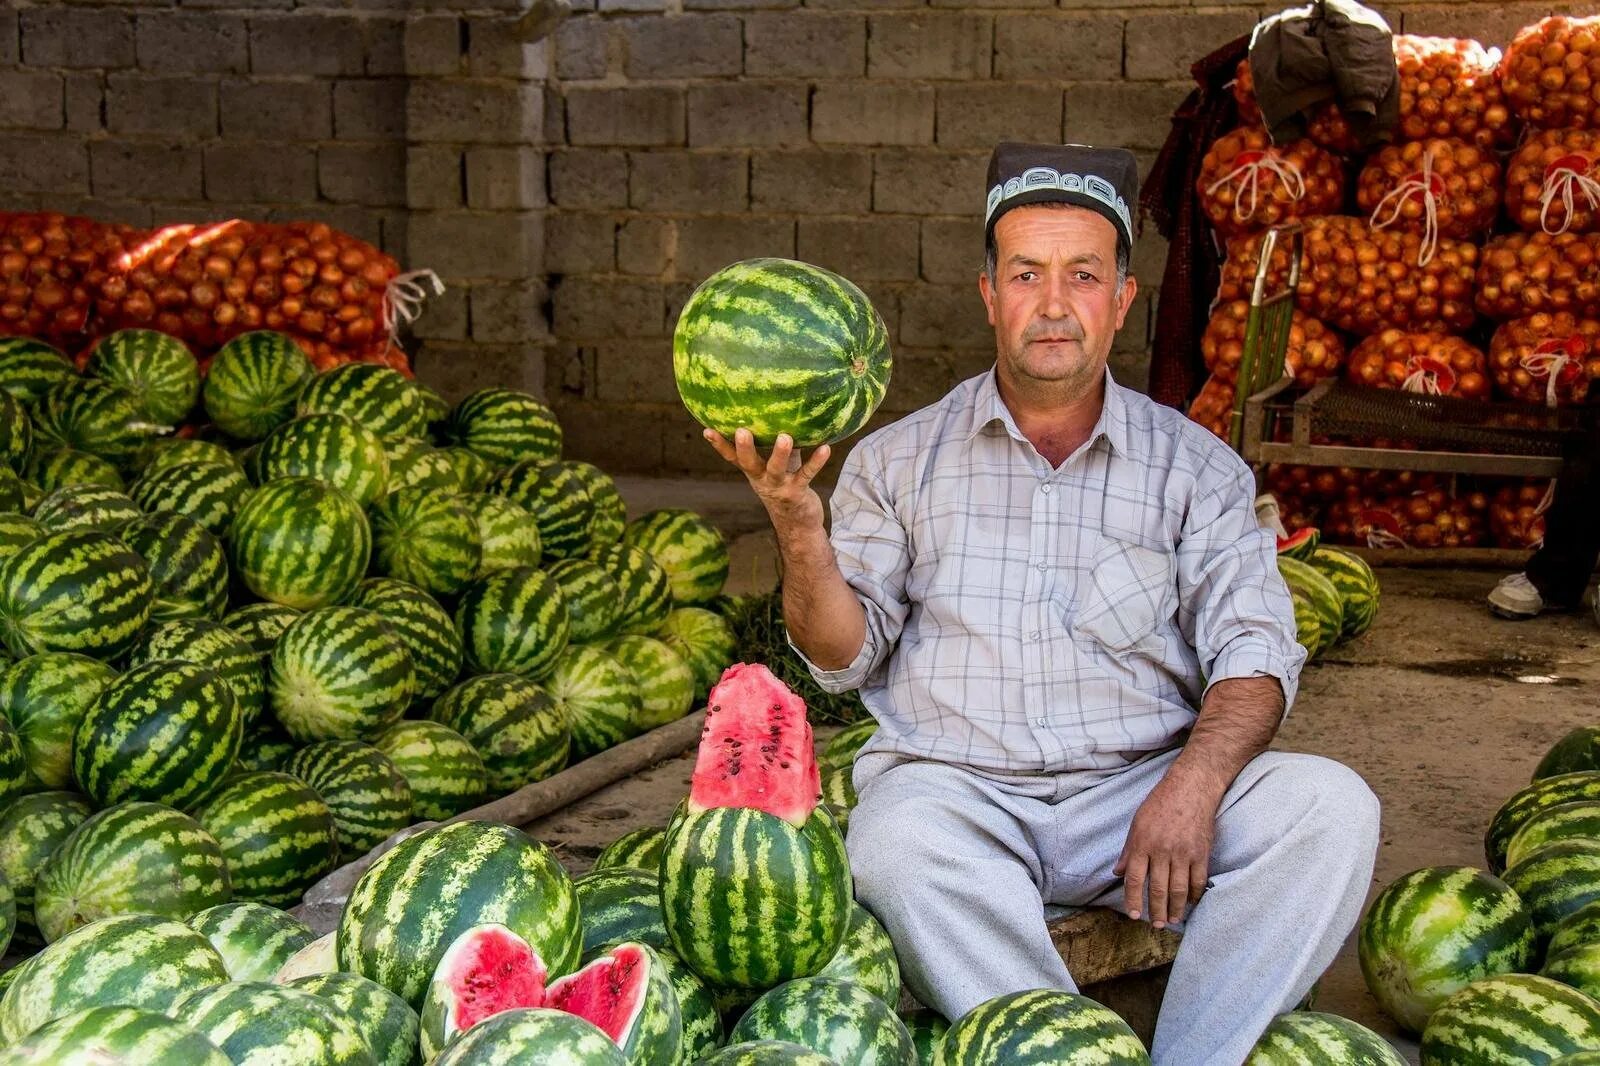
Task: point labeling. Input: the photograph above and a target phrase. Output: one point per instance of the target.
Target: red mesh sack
(1247, 183)
(1546, 358)
(1430, 518)
(1441, 187)
(1213, 407)
(1426, 362)
(1450, 87)
(1551, 73)
(1524, 273)
(1314, 351)
(1553, 182)
(1516, 513)
(50, 265)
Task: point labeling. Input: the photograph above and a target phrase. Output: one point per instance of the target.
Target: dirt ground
(1443, 709)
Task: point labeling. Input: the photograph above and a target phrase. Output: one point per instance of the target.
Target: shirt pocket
(1132, 591)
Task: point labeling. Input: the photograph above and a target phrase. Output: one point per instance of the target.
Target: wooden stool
(1118, 962)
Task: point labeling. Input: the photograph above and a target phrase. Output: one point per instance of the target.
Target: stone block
(150, 104)
(929, 183)
(10, 39)
(877, 248)
(475, 111)
(433, 45)
(811, 180)
(625, 117)
(505, 178)
(321, 44)
(580, 243)
(872, 113)
(456, 368)
(1493, 24)
(282, 108)
(1164, 46)
(361, 222)
(1057, 48)
(582, 177)
(601, 308)
(496, 50)
(79, 38)
(639, 372)
(944, 316)
(435, 176)
(1128, 114)
(749, 113)
(32, 100)
(33, 162)
(688, 181)
(443, 317)
(634, 7)
(85, 100)
(952, 250)
(682, 46)
(976, 116)
(374, 109)
(709, 243)
(590, 433)
(386, 48)
(268, 173)
(143, 170)
(814, 46)
(170, 42)
(508, 314)
(645, 245)
(865, 5)
(373, 174)
(462, 245)
(740, 5)
(930, 45)
(582, 49)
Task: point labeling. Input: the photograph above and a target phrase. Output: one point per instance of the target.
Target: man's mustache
(1053, 331)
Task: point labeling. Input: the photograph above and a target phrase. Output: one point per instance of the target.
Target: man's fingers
(744, 445)
(1133, 882)
(778, 462)
(1158, 890)
(1197, 881)
(721, 445)
(814, 465)
(1177, 891)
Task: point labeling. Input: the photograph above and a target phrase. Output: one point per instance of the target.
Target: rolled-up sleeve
(1236, 609)
(873, 553)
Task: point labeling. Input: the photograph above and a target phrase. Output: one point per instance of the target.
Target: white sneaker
(1515, 597)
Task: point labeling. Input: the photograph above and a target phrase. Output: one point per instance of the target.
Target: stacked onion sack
(1464, 262)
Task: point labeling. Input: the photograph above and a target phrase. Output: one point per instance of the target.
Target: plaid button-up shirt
(1026, 618)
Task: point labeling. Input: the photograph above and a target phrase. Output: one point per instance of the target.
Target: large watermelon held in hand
(778, 346)
(1044, 1027)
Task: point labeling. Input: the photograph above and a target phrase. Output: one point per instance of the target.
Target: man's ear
(1130, 289)
(986, 290)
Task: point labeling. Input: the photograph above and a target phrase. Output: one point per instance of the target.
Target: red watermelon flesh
(609, 992)
(756, 749)
(486, 970)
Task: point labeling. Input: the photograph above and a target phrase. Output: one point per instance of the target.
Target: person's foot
(1515, 597)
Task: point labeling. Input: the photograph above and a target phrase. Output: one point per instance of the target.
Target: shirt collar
(988, 408)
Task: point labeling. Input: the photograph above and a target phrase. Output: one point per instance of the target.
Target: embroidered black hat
(1105, 180)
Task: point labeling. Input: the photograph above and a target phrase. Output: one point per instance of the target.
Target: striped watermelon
(601, 698)
(264, 747)
(432, 887)
(626, 993)
(423, 627)
(256, 1021)
(426, 538)
(276, 833)
(15, 494)
(620, 904)
(836, 1018)
(779, 346)
(533, 1034)
(427, 469)
(1578, 967)
(114, 1035)
(766, 1053)
(1511, 1020)
(28, 367)
(507, 533)
(592, 596)
(45, 696)
(207, 492)
(927, 1028)
(377, 397)
(702, 1023)
(486, 970)
(557, 500)
(704, 641)
(724, 867)
(866, 957)
(31, 828)
(1578, 750)
(330, 448)
(156, 368)
(666, 684)
(215, 647)
(85, 507)
(435, 411)
(390, 1025)
(339, 673)
(847, 742)
(646, 592)
(1578, 820)
(473, 471)
(839, 793)
(610, 512)
(252, 384)
(1309, 582)
(16, 432)
(300, 543)
(95, 417)
(522, 734)
(446, 774)
(640, 848)
(505, 427)
(261, 624)
(1310, 631)
(511, 621)
(1434, 931)
(1580, 927)
(1356, 584)
(133, 960)
(253, 939)
(1555, 880)
(165, 732)
(368, 797)
(1303, 1037)
(17, 531)
(52, 468)
(690, 549)
(131, 858)
(170, 451)
(188, 566)
(1523, 805)
(1043, 1027)
(15, 779)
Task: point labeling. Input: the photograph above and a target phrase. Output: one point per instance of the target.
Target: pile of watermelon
(1335, 592)
(1501, 965)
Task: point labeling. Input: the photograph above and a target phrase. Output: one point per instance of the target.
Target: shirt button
(1045, 489)
(1041, 568)
(1035, 634)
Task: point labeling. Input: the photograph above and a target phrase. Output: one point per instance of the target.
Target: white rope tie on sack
(1377, 537)
(1250, 172)
(403, 298)
(1550, 363)
(1560, 181)
(1395, 202)
(1423, 378)
(1544, 505)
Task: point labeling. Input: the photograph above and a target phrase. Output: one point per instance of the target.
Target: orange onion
(1524, 273)
(1553, 182)
(1314, 351)
(1425, 362)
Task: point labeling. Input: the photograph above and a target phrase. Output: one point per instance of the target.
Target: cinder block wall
(571, 191)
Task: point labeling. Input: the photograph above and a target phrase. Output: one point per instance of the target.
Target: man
(1032, 581)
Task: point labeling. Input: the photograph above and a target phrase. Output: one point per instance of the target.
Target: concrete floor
(1444, 710)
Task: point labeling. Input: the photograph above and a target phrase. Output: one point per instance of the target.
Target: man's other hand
(1168, 850)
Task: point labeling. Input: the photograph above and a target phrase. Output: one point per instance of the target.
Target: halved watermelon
(628, 995)
(485, 970)
(756, 749)
(1300, 545)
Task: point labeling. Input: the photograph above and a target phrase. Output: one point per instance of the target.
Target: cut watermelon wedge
(756, 749)
(1300, 545)
(627, 994)
(486, 970)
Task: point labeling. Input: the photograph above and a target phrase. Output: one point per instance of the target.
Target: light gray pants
(958, 866)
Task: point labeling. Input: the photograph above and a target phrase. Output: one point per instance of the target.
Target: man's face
(1054, 304)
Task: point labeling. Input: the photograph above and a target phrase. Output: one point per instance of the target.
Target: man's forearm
(1237, 722)
(821, 611)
